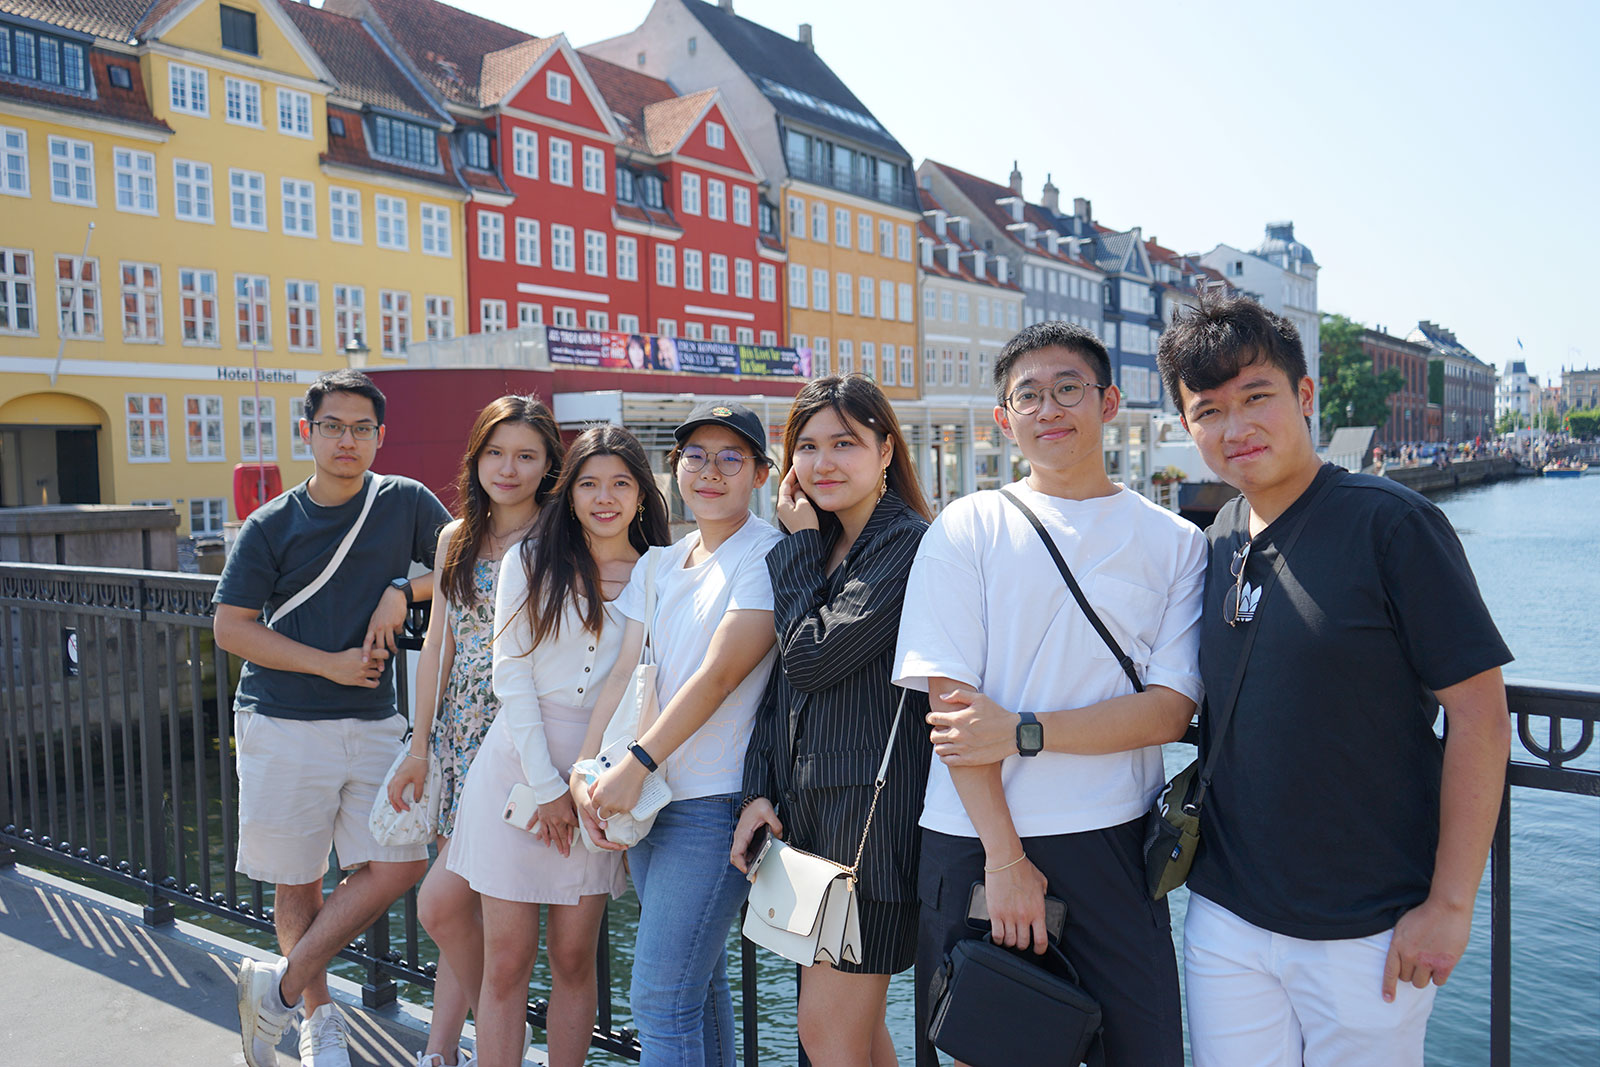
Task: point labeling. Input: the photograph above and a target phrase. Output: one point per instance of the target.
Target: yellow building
(203, 204)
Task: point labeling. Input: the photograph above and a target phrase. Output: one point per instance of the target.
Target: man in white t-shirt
(1048, 758)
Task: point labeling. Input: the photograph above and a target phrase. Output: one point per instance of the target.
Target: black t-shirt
(1323, 815)
(282, 548)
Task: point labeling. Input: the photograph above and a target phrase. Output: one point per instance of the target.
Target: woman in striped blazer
(855, 516)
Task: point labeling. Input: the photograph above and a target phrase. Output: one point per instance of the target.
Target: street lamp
(355, 351)
(1349, 412)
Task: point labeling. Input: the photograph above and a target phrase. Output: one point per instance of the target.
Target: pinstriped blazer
(824, 718)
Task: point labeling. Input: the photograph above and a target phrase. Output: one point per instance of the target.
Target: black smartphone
(758, 845)
(1055, 913)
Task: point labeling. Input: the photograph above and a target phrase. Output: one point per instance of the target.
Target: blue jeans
(689, 897)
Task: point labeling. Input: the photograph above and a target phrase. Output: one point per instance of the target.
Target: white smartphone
(520, 804)
(653, 796)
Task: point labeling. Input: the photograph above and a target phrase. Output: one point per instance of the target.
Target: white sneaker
(323, 1040)
(434, 1059)
(262, 1012)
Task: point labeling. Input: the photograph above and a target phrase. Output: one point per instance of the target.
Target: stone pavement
(85, 982)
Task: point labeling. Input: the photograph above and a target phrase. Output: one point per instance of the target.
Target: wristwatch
(402, 584)
(1030, 734)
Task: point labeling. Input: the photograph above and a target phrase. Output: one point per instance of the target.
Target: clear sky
(1441, 160)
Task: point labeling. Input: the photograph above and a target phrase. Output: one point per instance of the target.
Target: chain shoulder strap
(877, 785)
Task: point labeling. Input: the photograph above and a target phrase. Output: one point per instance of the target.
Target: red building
(1407, 408)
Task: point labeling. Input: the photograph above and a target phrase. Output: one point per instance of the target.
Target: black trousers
(1119, 940)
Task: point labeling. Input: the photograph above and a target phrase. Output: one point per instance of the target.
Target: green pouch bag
(1172, 833)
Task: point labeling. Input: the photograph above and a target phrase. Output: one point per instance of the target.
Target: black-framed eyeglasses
(1239, 605)
(361, 431)
(1067, 393)
(729, 461)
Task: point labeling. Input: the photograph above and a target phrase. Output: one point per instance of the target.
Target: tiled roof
(928, 202)
(447, 45)
(986, 194)
(359, 62)
(157, 11)
(113, 19)
(646, 215)
(667, 123)
(627, 93)
(351, 151)
(503, 69)
(119, 105)
(769, 56)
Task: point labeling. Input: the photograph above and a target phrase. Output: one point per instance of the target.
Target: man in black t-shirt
(316, 726)
(1341, 842)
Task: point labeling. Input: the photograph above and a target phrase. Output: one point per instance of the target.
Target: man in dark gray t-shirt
(316, 726)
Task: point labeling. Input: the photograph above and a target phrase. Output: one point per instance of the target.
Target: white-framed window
(797, 286)
(146, 415)
(885, 237)
(868, 291)
(294, 113)
(767, 277)
(819, 222)
(844, 293)
(694, 331)
(907, 365)
(692, 269)
(247, 199)
(299, 447)
(191, 191)
(841, 227)
(349, 315)
(797, 217)
(667, 327)
(719, 332)
(864, 233)
(78, 297)
(799, 340)
(134, 179)
(141, 302)
(770, 337)
(594, 170)
(567, 317)
(947, 365)
(394, 310)
(963, 307)
(930, 301)
(253, 428)
(524, 153)
(491, 316)
(902, 246)
(558, 87)
(819, 289)
(596, 320)
(889, 376)
(252, 316)
(435, 219)
(742, 285)
(744, 335)
(197, 306)
(741, 205)
(821, 361)
(1011, 316)
(492, 237)
(947, 305)
(207, 514)
(964, 377)
(718, 264)
(929, 373)
(528, 248)
(628, 259)
(689, 193)
(594, 253)
(715, 135)
(187, 89)
(439, 317)
(390, 212)
(530, 315)
(983, 311)
(869, 359)
(716, 199)
(560, 161)
(563, 251)
(299, 208)
(72, 171)
(203, 430)
(243, 102)
(19, 309)
(627, 324)
(847, 356)
(304, 319)
(14, 179)
(344, 214)
(666, 265)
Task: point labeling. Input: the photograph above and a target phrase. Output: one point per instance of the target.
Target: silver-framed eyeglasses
(361, 431)
(1067, 393)
(1234, 608)
(729, 461)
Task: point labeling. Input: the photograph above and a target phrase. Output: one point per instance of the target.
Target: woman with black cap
(712, 636)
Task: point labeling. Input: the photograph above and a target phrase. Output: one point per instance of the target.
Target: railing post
(379, 989)
(157, 909)
(1500, 937)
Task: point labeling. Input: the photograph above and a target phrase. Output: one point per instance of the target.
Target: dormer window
(715, 135)
(30, 56)
(408, 142)
(239, 31)
(558, 87)
(624, 185)
(336, 125)
(654, 193)
(952, 258)
(477, 149)
(927, 251)
(121, 77)
(767, 218)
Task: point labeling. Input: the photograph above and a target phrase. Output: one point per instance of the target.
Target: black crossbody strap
(1192, 807)
(1123, 659)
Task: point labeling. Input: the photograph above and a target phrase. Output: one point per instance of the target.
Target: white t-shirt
(986, 606)
(690, 602)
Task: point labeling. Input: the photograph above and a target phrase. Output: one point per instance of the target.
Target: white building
(1516, 391)
(1282, 273)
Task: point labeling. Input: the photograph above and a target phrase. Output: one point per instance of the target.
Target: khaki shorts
(306, 785)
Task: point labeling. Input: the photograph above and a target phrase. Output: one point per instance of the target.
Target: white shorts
(1260, 999)
(306, 785)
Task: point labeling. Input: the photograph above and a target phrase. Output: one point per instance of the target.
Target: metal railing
(118, 764)
(895, 193)
(115, 704)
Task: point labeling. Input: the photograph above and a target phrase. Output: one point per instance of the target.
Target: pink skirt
(508, 863)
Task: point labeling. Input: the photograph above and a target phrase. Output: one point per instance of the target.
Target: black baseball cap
(736, 417)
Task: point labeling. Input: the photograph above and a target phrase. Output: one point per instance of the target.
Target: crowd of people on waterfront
(965, 712)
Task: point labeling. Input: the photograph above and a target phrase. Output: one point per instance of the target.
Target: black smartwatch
(1030, 734)
(642, 756)
(402, 584)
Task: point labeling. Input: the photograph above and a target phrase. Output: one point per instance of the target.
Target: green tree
(1584, 423)
(1352, 395)
(1552, 421)
(1511, 420)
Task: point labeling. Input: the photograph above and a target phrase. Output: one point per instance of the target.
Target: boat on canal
(1564, 468)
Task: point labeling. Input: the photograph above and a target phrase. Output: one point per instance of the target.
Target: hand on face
(838, 463)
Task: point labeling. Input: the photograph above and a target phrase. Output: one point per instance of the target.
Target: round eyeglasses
(1067, 393)
(729, 461)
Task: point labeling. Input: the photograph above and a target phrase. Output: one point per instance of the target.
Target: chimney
(1016, 179)
(1052, 197)
(726, 5)
(1081, 209)
(805, 36)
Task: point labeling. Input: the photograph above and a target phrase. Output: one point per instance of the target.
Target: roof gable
(986, 196)
(196, 25)
(627, 93)
(695, 142)
(363, 68)
(446, 45)
(586, 108)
